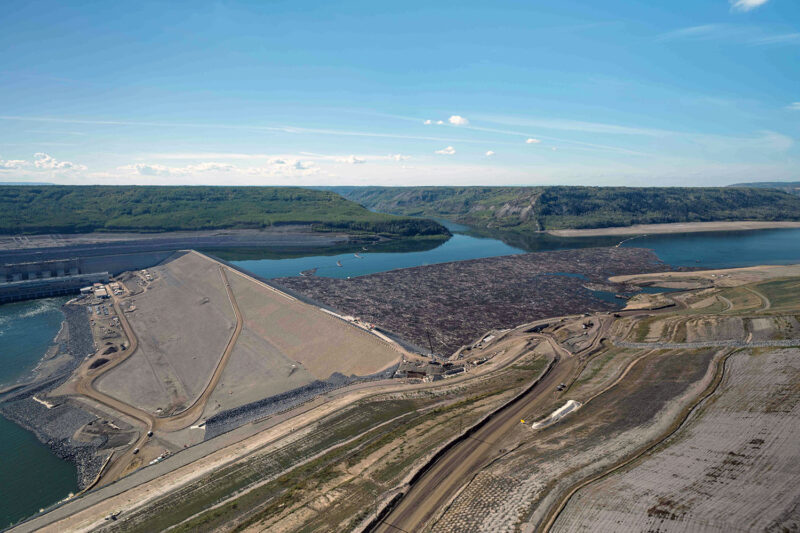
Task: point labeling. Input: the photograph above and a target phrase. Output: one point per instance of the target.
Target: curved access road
(84, 386)
(446, 477)
(193, 413)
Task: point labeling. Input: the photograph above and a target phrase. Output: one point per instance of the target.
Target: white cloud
(780, 38)
(351, 160)
(210, 167)
(44, 161)
(243, 127)
(489, 153)
(285, 168)
(458, 120)
(428, 122)
(144, 169)
(771, 141)
(731, 33)
(274, 167)
(440, 122)
(531, 140)
(794, 106)
(284, 165)
(399, 157)
(154, 169)
(746, 5)
(12, 164)
(446, 151)
(703, 31)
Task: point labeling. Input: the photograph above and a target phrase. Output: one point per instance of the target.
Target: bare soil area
(317, 342)
(732, 467)
(693, 279)
(278, 235)
(184, 319)
(683, 227)
(524, 482)
(183, 322)
(256, 370)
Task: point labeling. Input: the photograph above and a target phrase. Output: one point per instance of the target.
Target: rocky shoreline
(56, 426)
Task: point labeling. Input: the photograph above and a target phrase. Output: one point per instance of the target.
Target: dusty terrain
(165, 341)
(182, 322)
(318, 342)
(251, 451)
(657, 389)
(184, 319)
(649, 395)
(738, 448)
(279, 235)
(707, 278)
(684, 227)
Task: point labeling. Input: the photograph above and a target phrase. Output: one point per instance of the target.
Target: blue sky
(681, 92)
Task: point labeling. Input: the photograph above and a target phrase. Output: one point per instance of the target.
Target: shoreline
(55, 421)
(678, 227)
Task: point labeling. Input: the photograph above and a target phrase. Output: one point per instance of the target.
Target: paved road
(437, 486)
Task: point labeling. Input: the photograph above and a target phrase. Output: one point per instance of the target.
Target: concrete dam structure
(57, 277)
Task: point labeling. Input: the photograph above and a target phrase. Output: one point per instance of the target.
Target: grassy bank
(87, 209)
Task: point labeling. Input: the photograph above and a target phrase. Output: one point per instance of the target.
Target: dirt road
(437, 486)
(120, 464)
(190, 415)
(85, 387)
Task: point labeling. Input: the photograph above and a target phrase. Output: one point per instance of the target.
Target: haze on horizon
(283, 93)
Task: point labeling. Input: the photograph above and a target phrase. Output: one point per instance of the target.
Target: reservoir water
(31, 477)
(720, 249)
(457, 248)
(725, 249)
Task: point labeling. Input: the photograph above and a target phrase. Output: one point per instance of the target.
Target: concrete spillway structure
(56, 277)
(47, 287)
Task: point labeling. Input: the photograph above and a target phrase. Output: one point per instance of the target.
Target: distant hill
(792, 187)
(25, 183)
(557, 207)
(84, 209)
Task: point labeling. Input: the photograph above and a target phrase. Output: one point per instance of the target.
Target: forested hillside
(792, 187)
(557, 207)
(82, 209)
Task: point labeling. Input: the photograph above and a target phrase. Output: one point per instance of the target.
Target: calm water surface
(721, 249)
(457, 248)
(31, 477)
(725, 249)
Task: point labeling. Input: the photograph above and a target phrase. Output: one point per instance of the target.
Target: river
(719, 249)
